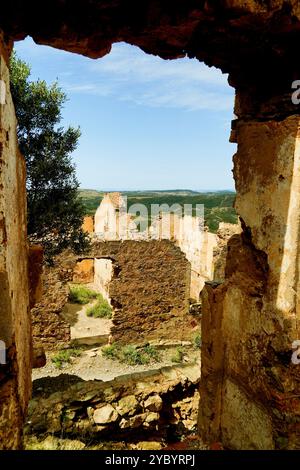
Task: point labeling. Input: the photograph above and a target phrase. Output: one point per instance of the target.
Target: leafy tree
(55, 212)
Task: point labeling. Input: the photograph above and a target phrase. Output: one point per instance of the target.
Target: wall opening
(146, 146)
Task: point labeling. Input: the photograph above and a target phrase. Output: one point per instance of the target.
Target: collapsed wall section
(149, 290)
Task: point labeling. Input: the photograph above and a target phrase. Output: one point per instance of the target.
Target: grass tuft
(111, 351)
(101, 309)
(178, 355)
(197, 341)
(130, 354)
(81, 295)
(64, 356)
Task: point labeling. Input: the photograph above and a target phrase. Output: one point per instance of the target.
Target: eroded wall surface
(147, 284)
(250, 387)
(49, 329)
(15, 329)
(220, 251)
(199, 251)
(194, 240)
(84, 272)
(149, 290)
(128, 407)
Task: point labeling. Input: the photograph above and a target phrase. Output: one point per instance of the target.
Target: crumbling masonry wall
(149, 290)
(130, 406)
(248, 380)
(49, 330)
(15, 330)
(147, 284)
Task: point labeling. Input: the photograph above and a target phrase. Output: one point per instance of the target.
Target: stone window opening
(251, 319)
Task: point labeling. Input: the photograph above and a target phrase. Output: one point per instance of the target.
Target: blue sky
(146, 123)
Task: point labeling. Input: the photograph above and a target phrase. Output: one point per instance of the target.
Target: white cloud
(151, 81)
(129, 74)
(130, 62)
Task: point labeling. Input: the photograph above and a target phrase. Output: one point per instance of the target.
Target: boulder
(127, 405)
(133, 422)
(105, 415)
(153, 403)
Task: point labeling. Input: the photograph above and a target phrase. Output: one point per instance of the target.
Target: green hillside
(218, 205)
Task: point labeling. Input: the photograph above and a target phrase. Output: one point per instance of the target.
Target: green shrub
(101, 309)
(81, 294)
(198, 341)
(178, 355)
(64, 356)
(152, 352)
(111, 351)
(130, 354)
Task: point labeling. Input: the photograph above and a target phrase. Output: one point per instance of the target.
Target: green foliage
(81, 294)
(198, 341)
(55, 212)
(130, 354)
(111, 351)
(101, 309)
(133, 356)
(64, 356)
(178, 355)
(152, 352)
(218, 206)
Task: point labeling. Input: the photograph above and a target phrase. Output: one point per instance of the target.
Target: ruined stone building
(112, 222)
(250, 388)
(148, 285)
(194, 240)
(146, 282)
(187, 232)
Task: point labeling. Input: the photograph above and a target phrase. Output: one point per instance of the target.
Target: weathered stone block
(105, 415)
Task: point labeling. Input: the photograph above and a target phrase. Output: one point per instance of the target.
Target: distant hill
(218, 205)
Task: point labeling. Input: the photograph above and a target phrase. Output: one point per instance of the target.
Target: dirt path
(84, 329)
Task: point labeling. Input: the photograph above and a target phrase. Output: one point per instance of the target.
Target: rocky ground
(93, 365)
(150, 410)
(177, 381)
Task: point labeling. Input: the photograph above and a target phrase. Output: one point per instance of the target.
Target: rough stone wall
(35, 269)
(84, 272)
(15, 331)
(149, 290)
(112, 222)
(49, 330)
(107, 220)
(147, 283)
(224, 233)
(196, 242)
(199, 251)
(251, 320)
(127, 407)
(88, 224)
